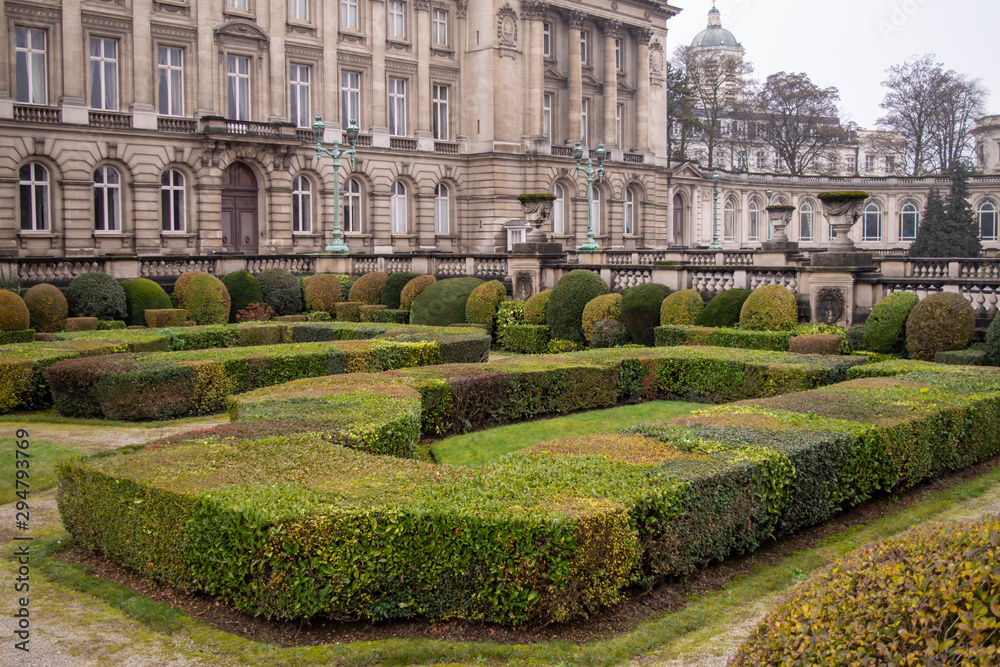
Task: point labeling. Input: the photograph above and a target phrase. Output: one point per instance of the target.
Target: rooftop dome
(714, 34)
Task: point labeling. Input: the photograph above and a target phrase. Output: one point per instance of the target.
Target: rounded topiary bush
(393, 287)
(281, 291)
(481, 308)
(564, 312)
(244, 289)
(322, 292)
(909, 600)
(943, 321)
(769, 308)
(608, 333)
(443, 303)
(604, 307)
(412, 290)
(991, 346)
(681, 307)
(96, 294)
(142, 294)
(182, 282)
(47, 307)
(535, 307)
(723, 310)
(14, 315)
(206, 299)
(641, 310)
(886, 324)
(368, 288)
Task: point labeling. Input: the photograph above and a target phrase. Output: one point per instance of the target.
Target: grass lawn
(475, 449)
(42, 457)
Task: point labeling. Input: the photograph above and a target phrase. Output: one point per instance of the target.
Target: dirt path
(103, 438)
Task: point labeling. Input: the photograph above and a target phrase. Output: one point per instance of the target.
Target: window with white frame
(729, 220)
(31, 86)
(628, 226)
(34, 190)
(558, 209)
(397, 19)
(237, 4)
(172, 201)
(852, 164)
(351, 201)
(872, 222)
(753, 220)
(397, 208)
(585, 122)
(870, 162)
(298, 10)
(170, 71)
(547, 39)
(909, 221)
(439, 27)
(987, 214)
(103, 74)
(806, 215)
(350, 98)
(349, 14)
(619, 54)
(107, 200)
(584, 47)
(238, 87)
(620, 125)
(301, 204)
(547, 116)
(761, 160)
(597, 211)
(397, 107)
(439, 112)
(298, 88)
(442, 209)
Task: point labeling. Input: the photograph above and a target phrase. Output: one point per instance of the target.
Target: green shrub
(641, 310)
(96, 294)
(142, 294)
(608, 333)
(366, 312)
(321, 292)
(392, 315)
(991, 347)
(21, 336)
(443, 302)
(167, 317)
(281, 291)
(244, 289)
(509, 312)
(564, 311)
(855, 337)
(481, 308)
(816, 344)
(886, 324)
(723, 310)
(348, 311)
(47, 307)
(926, 596)
(412, 290)
(205, 297)
(604, 307)
(561, 346)
(525, 338)
(346, 283)
(769, 308)
(319, 316)
(393, 288)
(536, 307)
(680, 334)
(110, 325)
(962, 357)
(84, 323)
(368, 288)
(182, 282)
(682, 307)
(943, 321)
(14, 314)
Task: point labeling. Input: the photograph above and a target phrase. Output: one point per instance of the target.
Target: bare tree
(682, 116)
(799, 121)
(962, 100)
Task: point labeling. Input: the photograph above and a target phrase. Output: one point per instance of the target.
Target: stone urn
(537, 211)
(780, 215)
(841, 209)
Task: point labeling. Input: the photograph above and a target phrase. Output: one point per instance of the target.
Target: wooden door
(239, 209)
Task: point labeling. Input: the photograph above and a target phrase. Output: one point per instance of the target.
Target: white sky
(850, 43)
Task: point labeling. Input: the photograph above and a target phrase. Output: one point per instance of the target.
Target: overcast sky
(849, 44)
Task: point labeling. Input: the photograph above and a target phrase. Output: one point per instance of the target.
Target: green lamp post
(318, 127)
(591, 172)
(715, 212)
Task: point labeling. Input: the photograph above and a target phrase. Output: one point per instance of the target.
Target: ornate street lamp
(715, 212)
(590, 171)
(318, 127)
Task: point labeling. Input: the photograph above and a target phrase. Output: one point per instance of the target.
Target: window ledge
(115, 233)
(232, 12)
(403, 235)
(306, 235)
(174, 234)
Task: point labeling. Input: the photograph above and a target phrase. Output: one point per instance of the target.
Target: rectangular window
(238, 80)
(298, 86)
(547, 116)
(237, 4)
(547, 39)
(350, 98)
(439, 112)
(396, 27)
(619, 59)
(103, 74)
(869, 163)
(761, 160)
(620, 126)
(298, 10)
(584, 121)
(806, 225)
(397, 107)
(29, 54)
(584, 39)
(170, 69)
(349, 14)
(890, 164)
(852, 164)
(439, 28)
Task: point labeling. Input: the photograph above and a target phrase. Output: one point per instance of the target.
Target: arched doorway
(678, 232)
(239, 209)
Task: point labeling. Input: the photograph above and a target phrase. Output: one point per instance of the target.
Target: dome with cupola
(714, 35)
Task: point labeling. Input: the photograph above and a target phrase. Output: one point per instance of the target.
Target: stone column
(642, 37)
(574, 21)
(380, 123)
(612, 30)
(74, 96)
(422, 44)
(534, 12)
(143, 74)
(274, 102)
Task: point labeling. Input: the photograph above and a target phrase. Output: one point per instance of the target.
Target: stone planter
(537, 211)
(841, 209)
(780, 215)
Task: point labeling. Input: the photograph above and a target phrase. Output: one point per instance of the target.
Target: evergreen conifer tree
(948, 228)
(931, 235)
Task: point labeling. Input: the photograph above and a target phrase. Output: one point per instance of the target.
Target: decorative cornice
(33, 12)
(574, 18)
(534, 10)
(422, 5)
(463, 8)
(442, 73)
(610, 27)
(302, 51)
(354, 59)
(104, 22)
(641, 35)
(400, 66)
(242, 28)
(173, 32)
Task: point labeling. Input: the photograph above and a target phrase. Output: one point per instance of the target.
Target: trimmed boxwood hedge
(940, 322)
(525, 338)
(641, 310)
(282, 291)
(769, 308)
(571, 294)
(368, 288)
(723, 310)
(244, 289)
(412, 290)
(393, 288)
(886, 324)
(443, 302)
(536, 307)
(604, 307)
(14, 313)
(47, 307)
(682, 307)
(321, 292)
(483, 303)
(97, 294)
(142, 294)
(205, 297)
(679, 334)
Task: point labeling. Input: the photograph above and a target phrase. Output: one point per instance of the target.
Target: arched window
(558, 209)
(351, 201)
(442, 206)
(909, 220)
(397, 208)
(301, 204)
(107, 200)
(629, 213)
(753, 220)
(987, 214)
(805, 221)
(172, 201)
(597, 212)
(34, 182)
(729, 220)
(872, 226)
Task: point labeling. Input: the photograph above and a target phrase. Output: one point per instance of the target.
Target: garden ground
(85, 611)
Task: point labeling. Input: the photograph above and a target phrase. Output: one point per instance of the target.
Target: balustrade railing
(179, 125)
(34, 114)
(402, 144)
(169, 267)
(111, 119)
